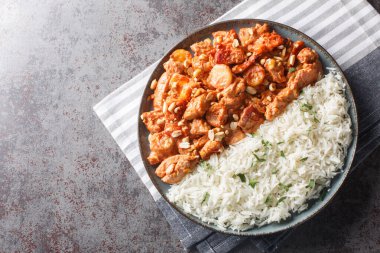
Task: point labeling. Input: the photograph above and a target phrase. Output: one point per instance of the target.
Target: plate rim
(353, 145)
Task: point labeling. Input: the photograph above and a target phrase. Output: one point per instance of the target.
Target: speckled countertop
(64, 184)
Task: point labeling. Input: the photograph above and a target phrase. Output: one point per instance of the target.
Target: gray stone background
(64, 183)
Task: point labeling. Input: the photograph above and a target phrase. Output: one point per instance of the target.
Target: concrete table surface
(64, 184)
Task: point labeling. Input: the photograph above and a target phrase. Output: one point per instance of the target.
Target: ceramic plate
(327, 61)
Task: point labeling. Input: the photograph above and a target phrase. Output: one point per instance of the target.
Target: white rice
(287, 162)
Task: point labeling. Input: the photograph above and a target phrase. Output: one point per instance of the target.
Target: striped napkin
(349, 30)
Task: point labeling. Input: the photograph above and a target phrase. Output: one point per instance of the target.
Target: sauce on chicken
(223, 90)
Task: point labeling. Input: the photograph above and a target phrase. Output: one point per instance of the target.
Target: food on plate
(272, 174)
(222, 91)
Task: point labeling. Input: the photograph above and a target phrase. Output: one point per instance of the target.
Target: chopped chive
(291, 70)
(285, 187)
(241, 176)
(266, 143)
(281, 199)
(304, 159)
(205, 198)
(252, 183)
(282, 154)
(274, 171)
(206, 165)
(281, 142)
(259, 159)
(252, 135)
(306, 107)
(316, 120)
(268, 199)
(311, 184)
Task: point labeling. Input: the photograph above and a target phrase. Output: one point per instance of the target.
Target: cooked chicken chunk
(200, 142)
(265, 43)
(275, 70)
(233, 95)
(250, 119)
(308, 74)
(197, 107)
(154, 121)
(224, 37)
(217, 115)
(202, 47)
(280, 102)
(229, 55)
(211, 147)
(307, 55)
(249, 35)
(162, 145)
(234, 136)
(199, 127)
(174, 168)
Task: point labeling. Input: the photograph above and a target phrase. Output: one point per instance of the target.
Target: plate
(327, 61)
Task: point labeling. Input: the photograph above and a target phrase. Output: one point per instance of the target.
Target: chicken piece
(224, 37)
(173, 125)
(154, 121)
(245, 65)
(160, 92)
(174, 168)
(307, 55)
(234, 94)
(266, 43)
(283, 98)
(258, 105)
(197, 107)
(220, 76)
(185, 148)
(297, 46)
(254, 75)
(172, 67)
(162, 145)
(217, 115)
(211, 147)
(200, 142)
(275, 70)
(228, 50)
(229, 55)
(250, 119)
(198, 128)
(176, 63)
(249, 35)
(202, 47)
(308, 74)
(234, 136)
(267, 97)
(204, 63)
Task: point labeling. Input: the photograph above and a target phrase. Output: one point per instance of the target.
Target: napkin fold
(347, 29)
